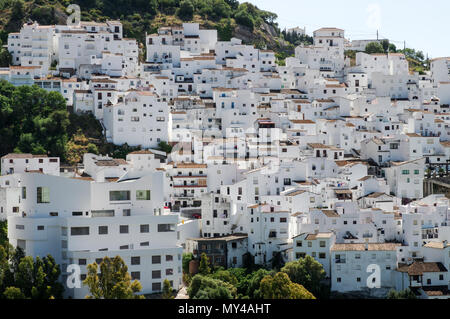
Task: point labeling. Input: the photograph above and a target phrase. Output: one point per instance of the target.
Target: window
(24, 193)
(145, 228)
(405, 172)
(322, 243)
(40, 227)
(77, 213)
(156, 286)
(136, 260)
(79, 231)
(299, 243)
(169, 257)
(102, 213)
(156, 274)
(156, 259)
(82, 262)
(119, 195)
(338, 279)
(135, 275)
(43, 195)
(322, 255)
(169, 271)
(166, 228)
(143, 195)
(416, 172)
(102, 230)
(124, 229)
(126, 212)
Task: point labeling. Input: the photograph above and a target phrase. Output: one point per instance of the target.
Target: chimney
(366, 246)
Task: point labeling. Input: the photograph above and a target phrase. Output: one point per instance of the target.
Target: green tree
(167, 290)
(307, 272)
(113, 282)
(244, 18)
(204, 268)
(405, 294)
(281, 287)
(3, 232)
(392, 48)
(13, 293)
(187, 257)
(32, 120)
(203, 287)
(253, 284)
(374, 47)
(78, 146)
(17, 12)
(385, 45)
(163, 146)
(186, 10)
(5, 56)
(225, 276)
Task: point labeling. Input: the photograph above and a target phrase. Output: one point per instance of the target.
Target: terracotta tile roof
(191, 165)
(303, 122)
(317, 145)
(141, 152)
(330, 213)
(295, 193)
(362, 247)
(111, 162)
(365, 178)
(318, 236)
(419, 267)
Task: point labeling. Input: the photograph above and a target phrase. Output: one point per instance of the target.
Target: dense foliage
(280, 286)
(24, 277)
(112, 282)
(3, 232)
(32, 120)
(253, 283)
(405, 294)
(307, 272)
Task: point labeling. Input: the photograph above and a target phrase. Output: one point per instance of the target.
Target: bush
(245, 19)
(374, 47)
(186, 10)
(203, 287)
(187, 257)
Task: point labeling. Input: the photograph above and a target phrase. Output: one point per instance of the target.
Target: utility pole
(377, 35)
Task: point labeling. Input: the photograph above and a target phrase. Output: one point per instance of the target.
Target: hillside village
(345, 162)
